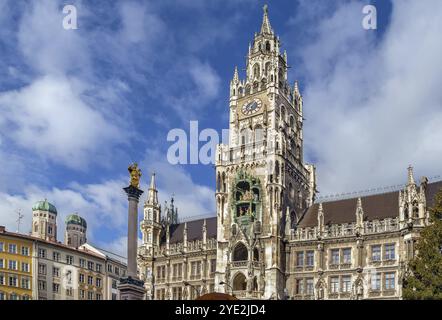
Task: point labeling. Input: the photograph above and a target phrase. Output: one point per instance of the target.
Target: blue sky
(77, 106)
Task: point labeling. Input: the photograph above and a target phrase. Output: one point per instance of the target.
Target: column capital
(133, 192)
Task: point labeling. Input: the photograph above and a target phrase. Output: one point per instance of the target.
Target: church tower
(151, 224)
(151, 236)
(262, 185)
(44, 221)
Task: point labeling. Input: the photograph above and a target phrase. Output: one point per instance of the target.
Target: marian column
(131, 287)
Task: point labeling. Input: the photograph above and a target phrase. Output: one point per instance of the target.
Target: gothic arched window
(267, 68)
(240, 253)
(258, 133)
(267, 46)
(255, 254)
(256, 70)
(292, 122)
(248, 89)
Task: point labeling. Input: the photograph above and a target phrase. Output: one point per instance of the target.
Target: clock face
(251, 107)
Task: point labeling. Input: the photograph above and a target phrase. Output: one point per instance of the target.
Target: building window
(90, 265)
(346, 255)
(12, 248)
(98, 282)
(14, 296)
(42, 253)
(41, 285)
(376, 282)
(390, 281)
(90, 280)
(56, 287)
(114, 296)
(346, 283)
(334, 284)
(195, 270)
(390, 252)
(376, 253)
(82, 295)
(12, 265)
(335, 256)
(161, 273)
(114, 284)
(109, 268)
(2, 296)
(56, 272)
(24, 267)
(82, 263)
(299, 286)
(117, 271)
(1, 246)
(309, 286)
(69, 259)
(98, 267)
(176, 293)
(81, 278)
(69, 292)
(25, 251)
(2, 279)
(13, 281)
(25, 283)
(299, 259)
(90, 295)
(2, 264)
(177, 271)
(212, 265)
(310, 258)
(41, 268)
(98, 296)
(56, 256)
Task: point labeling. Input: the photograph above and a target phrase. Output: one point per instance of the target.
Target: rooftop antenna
(19, 218)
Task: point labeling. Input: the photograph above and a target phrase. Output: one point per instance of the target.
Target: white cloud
(50, 118)
(191, 198)
(372, 107)
(102, 205)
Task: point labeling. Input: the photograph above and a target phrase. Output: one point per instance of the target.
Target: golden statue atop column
(135, 175)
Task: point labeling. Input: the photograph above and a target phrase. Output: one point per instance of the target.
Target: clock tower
(262, 184)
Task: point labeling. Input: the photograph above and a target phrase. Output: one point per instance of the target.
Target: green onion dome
(76, 219)
(44, 206)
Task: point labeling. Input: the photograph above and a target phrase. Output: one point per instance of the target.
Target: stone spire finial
(320, 220)
(410, 175)
(265, 27)
(152, 196)
(296, 88)
(235, 75)
(359, 213)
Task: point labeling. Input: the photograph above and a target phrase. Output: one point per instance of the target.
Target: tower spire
(265, 27)
(152, 197)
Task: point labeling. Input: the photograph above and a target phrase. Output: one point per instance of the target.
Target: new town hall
(269, 239)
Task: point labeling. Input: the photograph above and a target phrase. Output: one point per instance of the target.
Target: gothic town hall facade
(269, 239)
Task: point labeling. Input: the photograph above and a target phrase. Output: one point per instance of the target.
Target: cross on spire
(265, 27)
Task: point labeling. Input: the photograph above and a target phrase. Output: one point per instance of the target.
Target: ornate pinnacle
(265, 27)
(410, 175)
(235, 75)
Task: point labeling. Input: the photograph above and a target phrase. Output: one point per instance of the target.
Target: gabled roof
(377, 206)
(194, 230)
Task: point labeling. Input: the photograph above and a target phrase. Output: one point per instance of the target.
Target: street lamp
(222, 282)
(193, 287)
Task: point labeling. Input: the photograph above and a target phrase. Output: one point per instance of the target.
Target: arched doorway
(239, 282)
